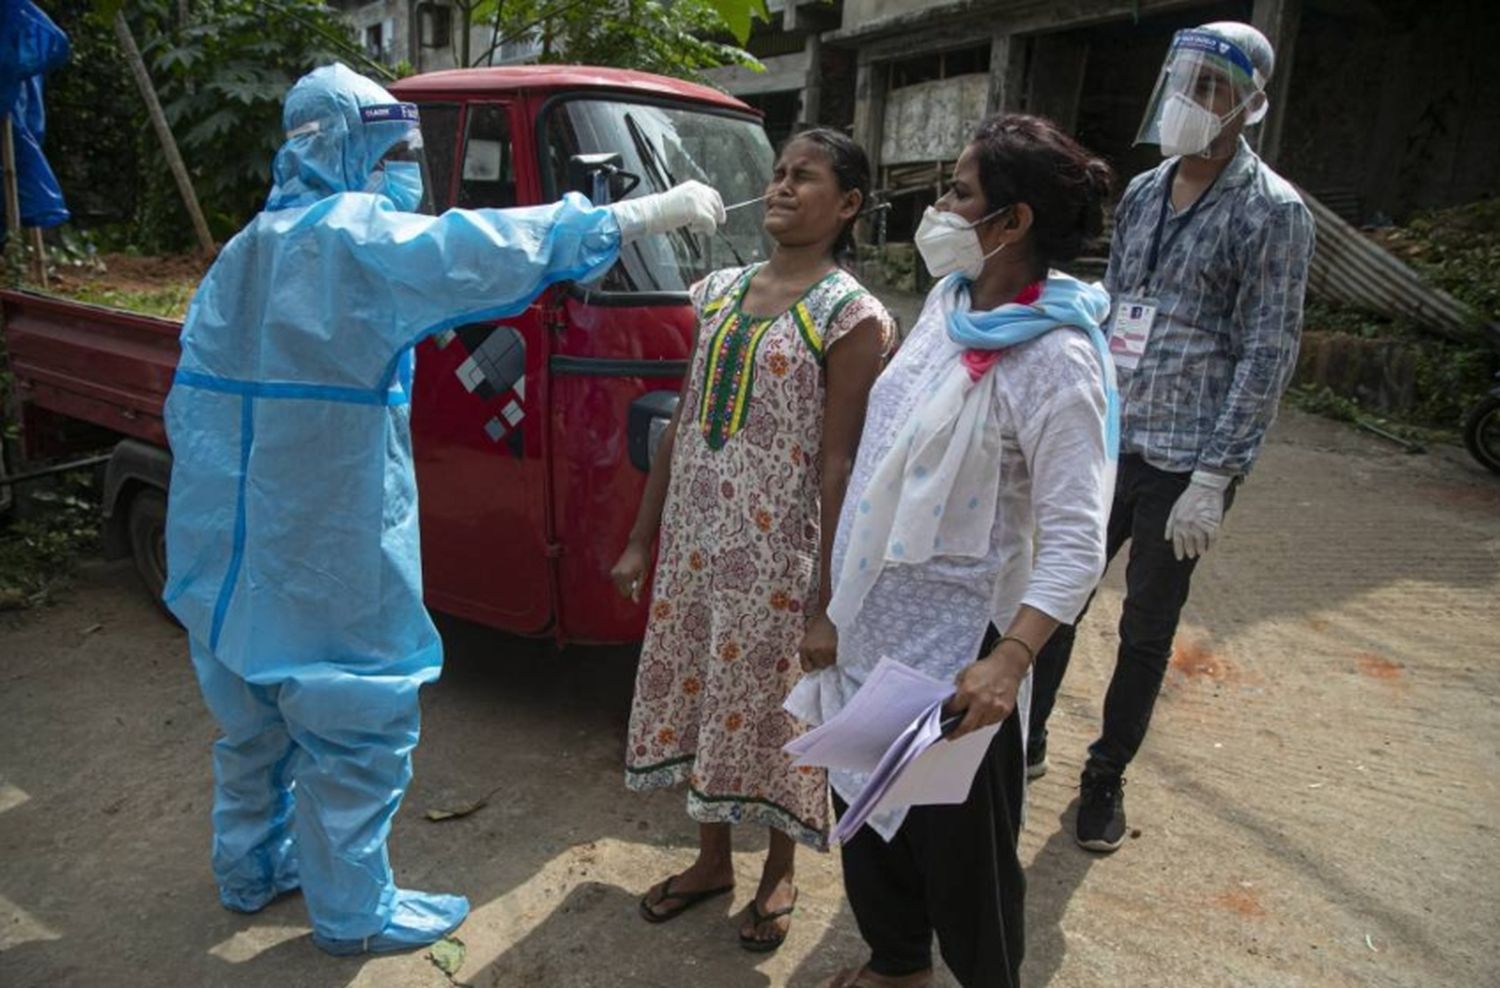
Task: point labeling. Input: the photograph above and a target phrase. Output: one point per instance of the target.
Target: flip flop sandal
(758, 945)
(685, 900)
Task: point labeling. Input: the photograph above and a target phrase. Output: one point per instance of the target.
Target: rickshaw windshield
(664, 145)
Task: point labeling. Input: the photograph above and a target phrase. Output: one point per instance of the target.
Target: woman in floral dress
(744, 495)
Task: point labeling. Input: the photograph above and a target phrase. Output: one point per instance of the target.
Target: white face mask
(949, 243)
(1187, 128)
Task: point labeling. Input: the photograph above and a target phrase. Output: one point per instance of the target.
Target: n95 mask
(948, 243)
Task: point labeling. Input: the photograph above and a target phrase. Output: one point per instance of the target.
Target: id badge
(1130, 331)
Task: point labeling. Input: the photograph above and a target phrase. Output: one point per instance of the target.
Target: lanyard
(1157, 246)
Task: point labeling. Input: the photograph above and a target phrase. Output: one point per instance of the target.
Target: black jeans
(1156, 588)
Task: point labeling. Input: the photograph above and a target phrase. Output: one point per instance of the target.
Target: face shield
(1206, 81)
(400, 173)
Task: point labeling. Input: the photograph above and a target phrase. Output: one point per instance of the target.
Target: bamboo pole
(12, 189)
(38, 257)
(163, 133)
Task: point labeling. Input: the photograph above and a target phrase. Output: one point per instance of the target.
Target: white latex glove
(1194, 521)
(691, 204)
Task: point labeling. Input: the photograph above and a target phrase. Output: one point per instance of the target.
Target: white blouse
(1047, 543)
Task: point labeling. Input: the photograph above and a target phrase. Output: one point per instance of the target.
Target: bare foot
(772, 897)
(865, 978)
(703, 875)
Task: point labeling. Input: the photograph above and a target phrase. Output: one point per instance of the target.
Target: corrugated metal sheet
(1349, 269)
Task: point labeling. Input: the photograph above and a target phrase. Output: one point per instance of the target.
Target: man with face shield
(1207, 272)
(292, 543)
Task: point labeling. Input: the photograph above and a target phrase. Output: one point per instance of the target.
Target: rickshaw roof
(512, 79)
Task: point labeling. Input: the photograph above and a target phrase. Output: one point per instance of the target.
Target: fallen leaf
(463, 809)
(448, 954)
(438, 816)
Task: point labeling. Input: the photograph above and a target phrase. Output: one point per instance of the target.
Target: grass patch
(1322, 400)
(169, 301)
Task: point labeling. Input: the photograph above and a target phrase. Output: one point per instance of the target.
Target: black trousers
(952, 870)
(1156, 588)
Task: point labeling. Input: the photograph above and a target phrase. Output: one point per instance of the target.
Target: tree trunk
(468, 15)
(13, 243)
(163, 133)
(489, 56)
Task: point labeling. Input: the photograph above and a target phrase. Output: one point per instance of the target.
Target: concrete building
(1378, 106)
(428, 35)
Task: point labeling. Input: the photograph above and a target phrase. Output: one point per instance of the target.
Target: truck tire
(147, 527)
(1482, 433)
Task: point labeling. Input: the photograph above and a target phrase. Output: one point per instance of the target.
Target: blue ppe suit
(292, 544)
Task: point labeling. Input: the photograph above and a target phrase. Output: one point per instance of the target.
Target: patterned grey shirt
(1228, 288)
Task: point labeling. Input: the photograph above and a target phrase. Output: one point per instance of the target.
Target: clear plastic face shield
(1206, 82)
(400, 174)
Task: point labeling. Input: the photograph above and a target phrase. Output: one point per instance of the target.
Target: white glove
(1194, 521)
(691, 204)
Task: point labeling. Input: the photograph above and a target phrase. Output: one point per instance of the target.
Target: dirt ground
(131, 273)
(1316, 803)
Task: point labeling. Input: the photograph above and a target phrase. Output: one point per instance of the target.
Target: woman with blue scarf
(978, 502)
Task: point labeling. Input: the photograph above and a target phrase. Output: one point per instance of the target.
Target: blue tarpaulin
(30, 46)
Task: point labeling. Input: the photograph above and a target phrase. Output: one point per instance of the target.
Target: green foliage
(38, 553)
(95, 123)
(676, 38)
(646, 35)
(1322, 400)
(737, 15)
(1456, 249)
(1450, 377)
(222, 78)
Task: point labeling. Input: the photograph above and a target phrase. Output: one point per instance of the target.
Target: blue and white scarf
(935, 492)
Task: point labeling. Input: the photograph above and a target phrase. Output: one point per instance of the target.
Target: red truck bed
(101, 365)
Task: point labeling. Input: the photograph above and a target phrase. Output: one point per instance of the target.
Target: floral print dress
(737, 563)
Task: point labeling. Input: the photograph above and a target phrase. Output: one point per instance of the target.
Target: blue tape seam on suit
(289, 390)
(236, 556)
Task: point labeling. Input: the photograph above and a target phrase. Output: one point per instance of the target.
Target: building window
(940, 65)
(437, 25)
(375, 39)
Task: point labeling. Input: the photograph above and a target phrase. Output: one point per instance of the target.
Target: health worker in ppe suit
(1207, 271)
(292, 544)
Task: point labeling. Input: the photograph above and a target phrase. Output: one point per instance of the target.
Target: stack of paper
(891, 730)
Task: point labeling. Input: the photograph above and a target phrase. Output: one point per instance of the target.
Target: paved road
(1317, 802)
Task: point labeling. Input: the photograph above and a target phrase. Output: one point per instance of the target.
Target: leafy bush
(221, 77)
(1456, 249)
(37, 554)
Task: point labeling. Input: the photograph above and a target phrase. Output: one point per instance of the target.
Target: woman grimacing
(744, 493)
(978, 501)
